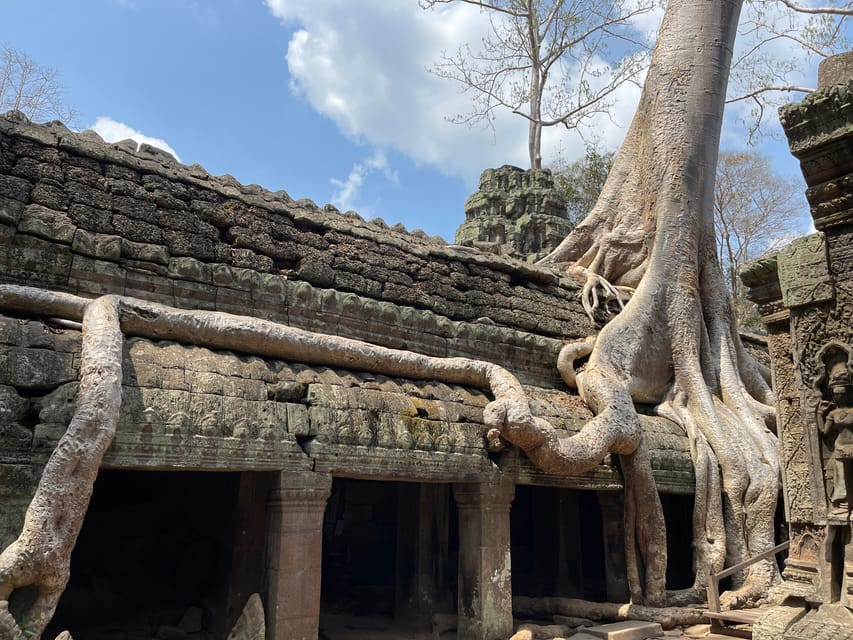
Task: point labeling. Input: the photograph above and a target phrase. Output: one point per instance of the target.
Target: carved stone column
(294, 553)
(485, 586)
(815, 283)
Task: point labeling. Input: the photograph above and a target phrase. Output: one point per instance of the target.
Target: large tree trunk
(675, 343)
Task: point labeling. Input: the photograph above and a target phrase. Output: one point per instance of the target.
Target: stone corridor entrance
(558, 544)
(156, 551)
(390, 551)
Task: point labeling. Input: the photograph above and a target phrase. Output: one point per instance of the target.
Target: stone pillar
(814, 378)
(294, 553)
(423, 525)
(613, 528)
(485, 586)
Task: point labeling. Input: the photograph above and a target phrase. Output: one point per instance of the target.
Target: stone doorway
(558, 543)
(390, 553)
(678, 513)
(157, 553)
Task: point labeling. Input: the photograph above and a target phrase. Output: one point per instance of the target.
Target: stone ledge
(193, 407)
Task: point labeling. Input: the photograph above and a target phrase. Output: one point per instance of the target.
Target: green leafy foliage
(581, 181)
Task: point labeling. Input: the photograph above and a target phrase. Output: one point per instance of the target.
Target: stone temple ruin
(515, 213)
(327, 489)
(321, 483)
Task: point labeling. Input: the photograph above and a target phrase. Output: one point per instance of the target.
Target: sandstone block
(189, 269)
(10, 211)
(250, 625)
(222, 275)
(50, 196)
(627, 630)
(145, 252)
(697, 630)
(14, 188)
(46, 223)
(96, 245)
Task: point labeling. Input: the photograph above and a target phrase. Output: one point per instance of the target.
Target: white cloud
(114, 131)
(363, 65)
(347, 191)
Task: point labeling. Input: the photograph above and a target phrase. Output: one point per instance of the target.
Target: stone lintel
(294, 554)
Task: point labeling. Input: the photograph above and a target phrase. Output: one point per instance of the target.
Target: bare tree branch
(546, 61)
(834, 11)
(489, 6)
(34, 90)
(757, 92)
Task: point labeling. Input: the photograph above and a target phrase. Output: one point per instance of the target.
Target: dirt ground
(380, 628)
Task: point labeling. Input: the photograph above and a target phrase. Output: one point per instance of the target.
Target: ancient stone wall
(88, 218)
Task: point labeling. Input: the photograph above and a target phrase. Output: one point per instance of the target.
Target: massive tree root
(675, 344)
(40, 557)
(667, 617)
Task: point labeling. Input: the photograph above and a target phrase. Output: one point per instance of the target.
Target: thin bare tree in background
(755, 212)
(552, 62)
(32, 89)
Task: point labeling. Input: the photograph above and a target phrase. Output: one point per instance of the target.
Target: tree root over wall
(40, 557)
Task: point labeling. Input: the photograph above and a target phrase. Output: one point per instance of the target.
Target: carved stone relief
(833, 390)
(804, 272)
(805, 557)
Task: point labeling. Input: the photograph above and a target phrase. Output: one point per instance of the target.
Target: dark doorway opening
(557, 541)
(678, 514)
(359, 548)
(154, 555)
(390, 551)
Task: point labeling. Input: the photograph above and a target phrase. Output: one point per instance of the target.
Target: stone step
(626, 630)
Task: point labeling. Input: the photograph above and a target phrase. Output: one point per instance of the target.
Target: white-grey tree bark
(675, 344)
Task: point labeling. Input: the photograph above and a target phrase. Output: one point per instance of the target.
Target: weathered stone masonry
(805, 297)
(80, 216)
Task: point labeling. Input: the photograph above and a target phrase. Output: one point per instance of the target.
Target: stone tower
(515, 212)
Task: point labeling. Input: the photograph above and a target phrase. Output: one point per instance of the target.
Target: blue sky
(326, 99)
